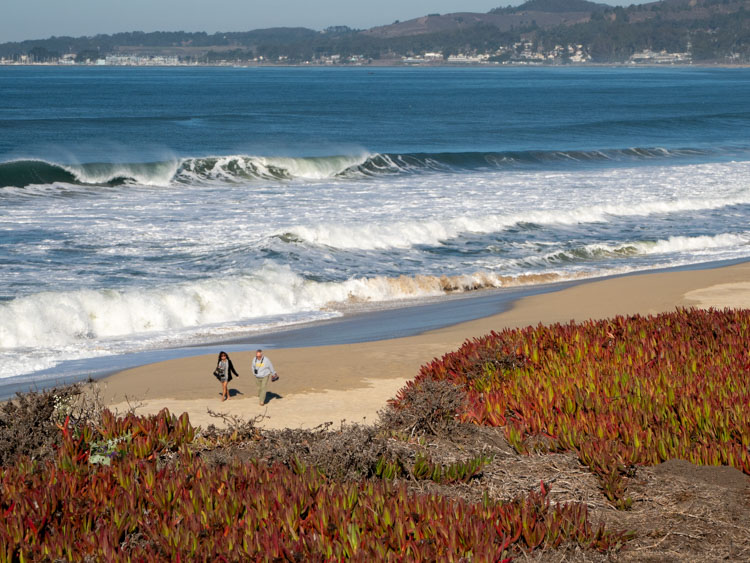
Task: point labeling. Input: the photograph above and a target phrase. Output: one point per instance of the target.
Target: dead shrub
(236, 428)
(29, 422)
(426, 407)
(351, 452)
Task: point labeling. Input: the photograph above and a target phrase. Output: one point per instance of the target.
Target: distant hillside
(687, 10)
(707, 30)
(553, 6)
(710, 30)
(122, 42)
(537, 13)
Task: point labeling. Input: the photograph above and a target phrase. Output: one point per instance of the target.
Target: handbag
(218, 373)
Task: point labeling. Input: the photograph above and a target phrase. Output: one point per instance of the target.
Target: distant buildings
(70, 59)
(133, 60)
(523, 53)
(520, 53)
(660, 58)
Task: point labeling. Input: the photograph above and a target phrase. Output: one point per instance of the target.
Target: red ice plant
(620, 392)
(141, 508)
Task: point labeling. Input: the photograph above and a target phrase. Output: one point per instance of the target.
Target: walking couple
(262, 370)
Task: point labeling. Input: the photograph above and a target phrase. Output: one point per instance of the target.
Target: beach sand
(352, 382)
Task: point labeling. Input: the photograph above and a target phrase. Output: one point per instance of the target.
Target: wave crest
(75, 317)
(406, 234)
(240, 168)
(22, 173)
(243, 168)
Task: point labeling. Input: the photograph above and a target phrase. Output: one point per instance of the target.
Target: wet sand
(352, 382)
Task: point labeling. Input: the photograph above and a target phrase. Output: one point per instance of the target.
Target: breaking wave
(236, 304)
(21, 173)
(243, 168)
(55, 319)
(86, 323)
(406, 234)
(671, 246)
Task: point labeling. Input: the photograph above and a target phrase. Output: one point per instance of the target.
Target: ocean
(145, 210)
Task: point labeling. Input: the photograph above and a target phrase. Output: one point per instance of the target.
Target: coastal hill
(535, 32)
(541, 13)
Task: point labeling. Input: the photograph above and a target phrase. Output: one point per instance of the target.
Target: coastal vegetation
(537, 31)
(620, 393)
(536, 442)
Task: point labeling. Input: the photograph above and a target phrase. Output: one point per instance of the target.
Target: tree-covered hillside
(708, 30)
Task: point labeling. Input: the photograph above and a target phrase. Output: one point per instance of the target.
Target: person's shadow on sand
(234, 393)
(271, 396)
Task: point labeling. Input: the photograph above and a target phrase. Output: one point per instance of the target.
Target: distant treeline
(712, 30)
(102, 45)
(614, 35)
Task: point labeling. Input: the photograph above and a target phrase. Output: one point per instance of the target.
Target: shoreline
(391, 319)
(396, 63)
(365, 323)
(353, 381)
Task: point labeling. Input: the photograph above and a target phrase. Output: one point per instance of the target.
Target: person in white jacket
(262, 369)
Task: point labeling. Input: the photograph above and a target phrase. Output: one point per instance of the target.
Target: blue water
(147, 208)
(145, 112)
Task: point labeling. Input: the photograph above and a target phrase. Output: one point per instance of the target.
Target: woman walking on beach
(226, 369)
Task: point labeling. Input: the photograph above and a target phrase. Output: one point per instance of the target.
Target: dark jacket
(230, 371)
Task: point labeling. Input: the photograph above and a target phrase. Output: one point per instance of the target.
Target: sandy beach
(352, 382)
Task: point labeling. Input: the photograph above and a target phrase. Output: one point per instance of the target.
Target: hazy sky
(39, 19)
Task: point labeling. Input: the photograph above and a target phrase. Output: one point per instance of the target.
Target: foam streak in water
(671, 248)
(400, 234)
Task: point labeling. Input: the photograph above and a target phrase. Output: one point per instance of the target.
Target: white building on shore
(660, 58)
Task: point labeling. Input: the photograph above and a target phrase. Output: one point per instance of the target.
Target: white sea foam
(678, 244)
(85, 323)
(314, 168)
(672, 247)
(391, 235)
(236, 168)
(403, 234)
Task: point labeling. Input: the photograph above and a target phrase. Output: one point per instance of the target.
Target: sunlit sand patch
(294, 410)
(733, 295)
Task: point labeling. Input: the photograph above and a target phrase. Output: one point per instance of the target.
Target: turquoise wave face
(244, 168)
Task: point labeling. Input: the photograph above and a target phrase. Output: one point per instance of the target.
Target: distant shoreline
(392, 63)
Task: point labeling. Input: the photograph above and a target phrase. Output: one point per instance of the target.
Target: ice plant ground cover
(455, 470)
(142, 506)
(620, 393)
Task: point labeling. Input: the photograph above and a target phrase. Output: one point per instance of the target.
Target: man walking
(262, 369)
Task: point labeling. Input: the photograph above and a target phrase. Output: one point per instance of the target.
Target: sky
(40, 19)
